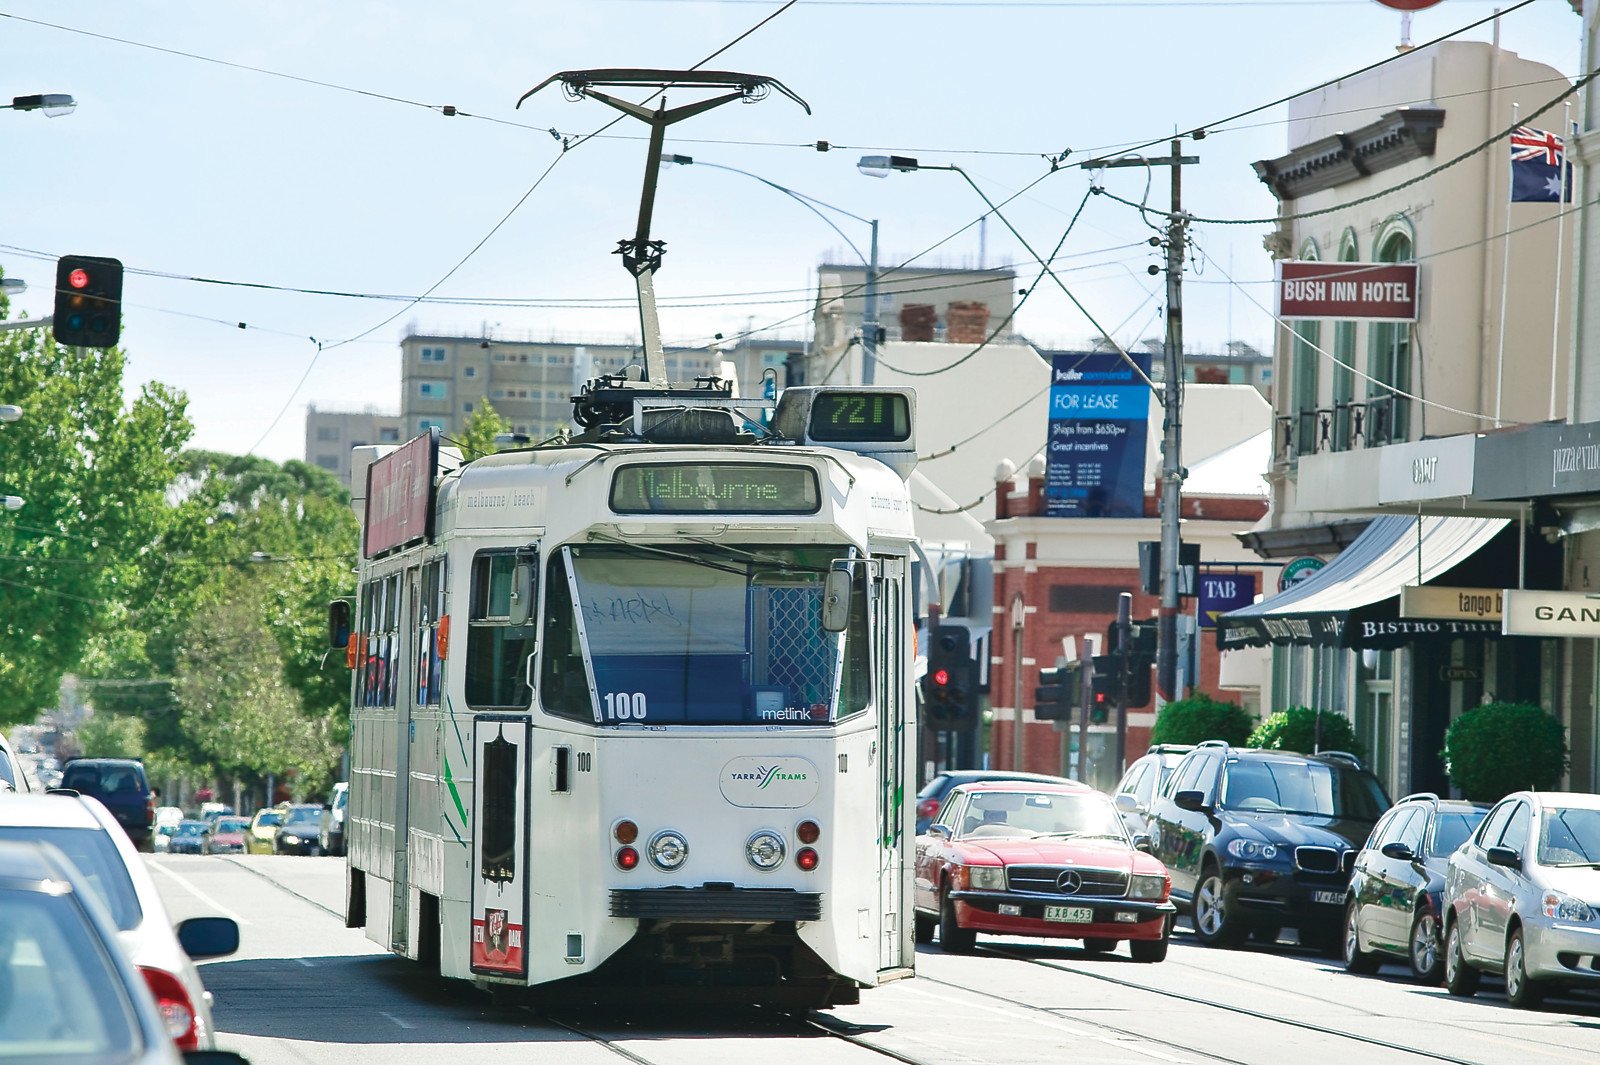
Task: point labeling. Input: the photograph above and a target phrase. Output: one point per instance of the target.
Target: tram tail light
(177, 1012)
(808, 831)
(627, 858)
(806, 858)
(625, 831)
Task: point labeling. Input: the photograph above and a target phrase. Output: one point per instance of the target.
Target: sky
(289, 167)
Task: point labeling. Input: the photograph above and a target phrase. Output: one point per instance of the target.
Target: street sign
(1222, 592)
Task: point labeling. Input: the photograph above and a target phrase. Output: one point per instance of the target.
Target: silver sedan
(1522, 896)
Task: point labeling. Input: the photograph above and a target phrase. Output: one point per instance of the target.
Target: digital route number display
(715, 488)
(860, 416)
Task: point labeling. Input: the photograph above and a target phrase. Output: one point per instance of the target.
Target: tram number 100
(625, 706)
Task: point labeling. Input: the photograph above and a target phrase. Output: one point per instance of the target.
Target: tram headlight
(668, 850)
(765, 850)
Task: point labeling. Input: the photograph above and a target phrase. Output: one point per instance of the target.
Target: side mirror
(339, 624)
(1142, 842)
(1126, 802)
(1506, 856)
(208, 937)
(1191, 800)
(836, 600)
(942, 831)
(523, 580)
(1398, 851)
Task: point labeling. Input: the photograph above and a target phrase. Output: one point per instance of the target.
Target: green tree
(1307, 731)
(478, 437)
(1200, 717)
(94, 470)
(1493, 750)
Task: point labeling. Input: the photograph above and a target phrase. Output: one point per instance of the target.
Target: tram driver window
(497, 651)
(563, 684)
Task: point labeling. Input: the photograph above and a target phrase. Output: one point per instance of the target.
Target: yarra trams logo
(772, 782)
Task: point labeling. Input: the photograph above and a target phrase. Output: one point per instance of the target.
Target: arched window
(1389, 353)
(1303, 386)
(1344, 350)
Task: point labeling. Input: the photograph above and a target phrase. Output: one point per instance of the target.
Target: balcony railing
(1341, 427)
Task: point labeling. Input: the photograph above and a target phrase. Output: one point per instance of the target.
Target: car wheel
(1152, 950)
(953, 939)
(1427, 960)
(1459, 977)
(1213, 925)
(1099, 946)
(1356, 960)
(924, 927)
(1522, 991)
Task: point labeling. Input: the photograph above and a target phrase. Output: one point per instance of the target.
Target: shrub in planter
(1493, 750)
(1298, 729)
(1199, 718)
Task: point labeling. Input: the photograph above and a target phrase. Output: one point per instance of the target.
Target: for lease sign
(1383, 292)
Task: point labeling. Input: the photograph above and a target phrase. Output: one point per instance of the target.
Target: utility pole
(1122, 647)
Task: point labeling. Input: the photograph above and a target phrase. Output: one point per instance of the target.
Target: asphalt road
(304, 989)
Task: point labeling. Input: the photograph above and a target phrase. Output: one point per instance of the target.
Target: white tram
(637, 710)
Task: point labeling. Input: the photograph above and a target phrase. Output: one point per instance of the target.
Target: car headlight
(1250, 850)
(988, 877)
(291, 839)
(1147, 886)
(668, 850)
(1564, 907)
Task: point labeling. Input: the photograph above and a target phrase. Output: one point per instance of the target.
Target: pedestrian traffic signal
(88, 307)
(949, 689)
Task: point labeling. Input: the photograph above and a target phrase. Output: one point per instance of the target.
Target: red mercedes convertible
(1020, 859)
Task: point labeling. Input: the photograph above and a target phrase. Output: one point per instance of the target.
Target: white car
(12, 777)
(84, 830)
(166, 824)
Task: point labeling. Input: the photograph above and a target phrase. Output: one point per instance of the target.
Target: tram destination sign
(715, 488)
(401, 488)
(1374, 292)
(1099, 414)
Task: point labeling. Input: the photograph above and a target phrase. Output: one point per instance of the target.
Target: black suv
(1258, 840)
(1396, 893)
(121, 785)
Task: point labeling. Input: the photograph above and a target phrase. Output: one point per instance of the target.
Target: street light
(53, 104)
(869, 310)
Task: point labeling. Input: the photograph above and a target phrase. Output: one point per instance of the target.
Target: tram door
(889, 627)
(404, 703)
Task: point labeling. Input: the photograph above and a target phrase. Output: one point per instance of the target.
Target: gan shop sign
(1369, 292)
(1530, 613)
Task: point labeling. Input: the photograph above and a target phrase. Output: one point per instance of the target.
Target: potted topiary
(1199, 718)
(1307, 731)
(1495, 749)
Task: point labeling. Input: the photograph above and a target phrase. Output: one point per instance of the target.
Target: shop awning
(1353, 601)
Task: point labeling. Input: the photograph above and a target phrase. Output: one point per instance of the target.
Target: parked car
(227, 835)
(935, 790)
(83, 830)
(1143, 782)
(1037, 859)
(333, 819)
(168, 818)
(189, 837)
(12, 778)
(1522, 897)
(1397, 890)
(1258, 840)
(66, 991)
(121, 784)
(263, 830)
(300, 830)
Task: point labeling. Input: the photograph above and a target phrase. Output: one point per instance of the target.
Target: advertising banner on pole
(1099, 411)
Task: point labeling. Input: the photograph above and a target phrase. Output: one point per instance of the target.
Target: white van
(332, 840)
(12, 778)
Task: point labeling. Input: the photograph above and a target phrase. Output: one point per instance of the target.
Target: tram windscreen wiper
(678, 556)
(777, 562)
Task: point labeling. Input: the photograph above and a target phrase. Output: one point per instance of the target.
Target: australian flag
(1539, 169)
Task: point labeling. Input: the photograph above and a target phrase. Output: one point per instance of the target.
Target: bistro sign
(1530, 613)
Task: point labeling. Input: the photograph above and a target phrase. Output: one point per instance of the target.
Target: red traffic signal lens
(79, 278)
(941, 677)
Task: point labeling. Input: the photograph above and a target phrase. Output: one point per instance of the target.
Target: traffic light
(88, 308)
(1141, 652)
(949, 691)
(1105, 687)
(1057, 694)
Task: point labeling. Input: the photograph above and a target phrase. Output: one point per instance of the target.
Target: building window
(470, 371)
(433, 389)
(329, 462)
(1389, 359)
(1084, 598)
(433, 354)
(466, 408)
(1307, 431)
(328, 432)
(389, 436)
(499, 356)
(430, 423)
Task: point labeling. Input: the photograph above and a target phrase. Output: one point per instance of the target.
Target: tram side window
(563, 683)
(497, 651)
(431, 629)
(380, 632)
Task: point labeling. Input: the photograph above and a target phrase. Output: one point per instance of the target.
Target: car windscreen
(269, 819)
(192, 828)
(1452, 829)
(232, 824)
(1569, 835)
(1314, 788)
(1016, 813)
(97, 858)
(305, 815)
(61, 998)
